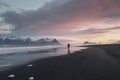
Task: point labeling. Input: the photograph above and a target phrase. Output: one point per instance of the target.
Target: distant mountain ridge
(87, 42)
(28, 41)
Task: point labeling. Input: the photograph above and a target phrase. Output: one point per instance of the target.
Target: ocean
(16, 56)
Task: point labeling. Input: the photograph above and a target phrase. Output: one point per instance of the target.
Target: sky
(72, 21)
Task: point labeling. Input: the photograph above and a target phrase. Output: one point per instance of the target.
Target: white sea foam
(5, 65)
(7, 50)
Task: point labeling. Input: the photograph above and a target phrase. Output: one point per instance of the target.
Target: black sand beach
(100, 62)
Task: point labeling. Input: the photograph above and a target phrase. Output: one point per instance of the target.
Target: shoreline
(94, 63)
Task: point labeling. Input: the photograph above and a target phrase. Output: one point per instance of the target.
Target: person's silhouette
(68, 46)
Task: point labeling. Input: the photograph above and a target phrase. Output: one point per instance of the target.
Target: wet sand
(99, 62)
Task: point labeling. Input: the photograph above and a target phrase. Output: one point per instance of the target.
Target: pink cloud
(96, 31)
(59, 17)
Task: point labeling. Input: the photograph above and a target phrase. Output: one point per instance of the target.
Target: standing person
(68, 46)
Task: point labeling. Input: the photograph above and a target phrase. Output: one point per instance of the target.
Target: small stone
(11, 76)
(31, 78)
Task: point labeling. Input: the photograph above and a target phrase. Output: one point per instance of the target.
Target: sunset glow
(72, 21)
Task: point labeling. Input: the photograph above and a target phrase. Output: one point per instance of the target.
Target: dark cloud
(4, 4)
(51, 14)
(58, 12)
(94, 31)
